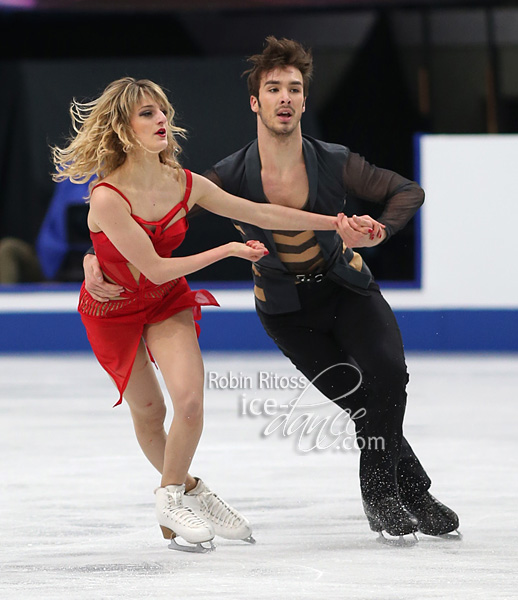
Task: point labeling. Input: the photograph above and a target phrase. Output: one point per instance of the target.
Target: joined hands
(360, 232)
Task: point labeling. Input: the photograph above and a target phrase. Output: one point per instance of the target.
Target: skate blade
(451, 536)
(402, 541)
(198, 548)
(249, 540)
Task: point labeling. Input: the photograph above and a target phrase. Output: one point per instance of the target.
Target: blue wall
(41, 330)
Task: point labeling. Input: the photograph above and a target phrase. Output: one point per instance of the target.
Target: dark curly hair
(279, 54)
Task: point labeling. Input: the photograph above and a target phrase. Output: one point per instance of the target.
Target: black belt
(292, 277)
(309, 277)
(302, 277)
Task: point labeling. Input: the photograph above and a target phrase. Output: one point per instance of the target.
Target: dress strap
(112, 187)
(188, 188)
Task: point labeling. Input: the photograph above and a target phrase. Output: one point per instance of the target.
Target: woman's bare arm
(110, 214)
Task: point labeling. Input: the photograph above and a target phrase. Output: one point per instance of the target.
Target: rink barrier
(44, 319)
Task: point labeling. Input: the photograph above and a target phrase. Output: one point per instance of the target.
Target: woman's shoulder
(200, 187)
(200, 180)
(107, 193)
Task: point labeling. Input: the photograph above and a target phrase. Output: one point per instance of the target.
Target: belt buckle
(309, 277)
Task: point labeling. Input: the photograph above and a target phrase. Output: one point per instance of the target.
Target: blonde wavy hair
(103, 133)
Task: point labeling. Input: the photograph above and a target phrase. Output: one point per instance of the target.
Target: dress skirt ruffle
(115, 328)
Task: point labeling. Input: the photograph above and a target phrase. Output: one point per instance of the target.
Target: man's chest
(291, 189)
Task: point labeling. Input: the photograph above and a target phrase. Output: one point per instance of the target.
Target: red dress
(115, 328)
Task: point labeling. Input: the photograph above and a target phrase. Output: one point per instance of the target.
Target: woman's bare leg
(147, 406)
(174, 346)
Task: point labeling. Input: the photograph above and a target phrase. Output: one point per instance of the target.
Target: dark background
(384, 71)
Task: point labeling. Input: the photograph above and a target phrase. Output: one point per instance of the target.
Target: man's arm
(400, 196)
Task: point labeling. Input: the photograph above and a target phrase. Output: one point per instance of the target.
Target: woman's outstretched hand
(252, 250)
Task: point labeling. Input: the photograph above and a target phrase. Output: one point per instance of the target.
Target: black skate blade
(198, 548)
(401, 541)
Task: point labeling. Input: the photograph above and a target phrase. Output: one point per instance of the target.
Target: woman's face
(149, 124)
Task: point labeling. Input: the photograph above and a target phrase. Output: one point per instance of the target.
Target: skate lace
(182, 514)
(219, 510)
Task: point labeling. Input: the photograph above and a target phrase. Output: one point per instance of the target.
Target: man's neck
(279, 153)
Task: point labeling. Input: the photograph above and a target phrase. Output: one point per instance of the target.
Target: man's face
(281, 101)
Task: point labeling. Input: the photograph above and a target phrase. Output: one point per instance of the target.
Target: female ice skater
(139, 200)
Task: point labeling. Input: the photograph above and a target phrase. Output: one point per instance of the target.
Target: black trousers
(337, 326)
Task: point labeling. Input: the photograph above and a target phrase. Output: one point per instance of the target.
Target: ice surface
(77, 505)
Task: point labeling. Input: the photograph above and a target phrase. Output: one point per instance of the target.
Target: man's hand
(360, 232)
(100, 289)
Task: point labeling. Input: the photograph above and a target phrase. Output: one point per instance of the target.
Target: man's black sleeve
(400, 196)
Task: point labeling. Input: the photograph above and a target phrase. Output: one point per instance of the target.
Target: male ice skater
(316, 297)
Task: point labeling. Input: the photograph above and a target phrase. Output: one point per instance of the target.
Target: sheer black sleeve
(400, 197)
(211, 175)
(196, 210)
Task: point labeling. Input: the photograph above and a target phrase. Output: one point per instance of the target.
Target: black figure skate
(434, 517)
(390, 516)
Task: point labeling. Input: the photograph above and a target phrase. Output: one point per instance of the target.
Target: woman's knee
(188, 408)
(149, 415)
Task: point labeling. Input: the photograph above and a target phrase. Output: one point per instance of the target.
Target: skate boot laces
(181, 514)
(211, 504)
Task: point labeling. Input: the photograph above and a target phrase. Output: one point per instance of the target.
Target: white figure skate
(226, 521)
(177, 520)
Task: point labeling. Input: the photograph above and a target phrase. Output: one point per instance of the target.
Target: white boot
(176, 519)
(226, 521)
